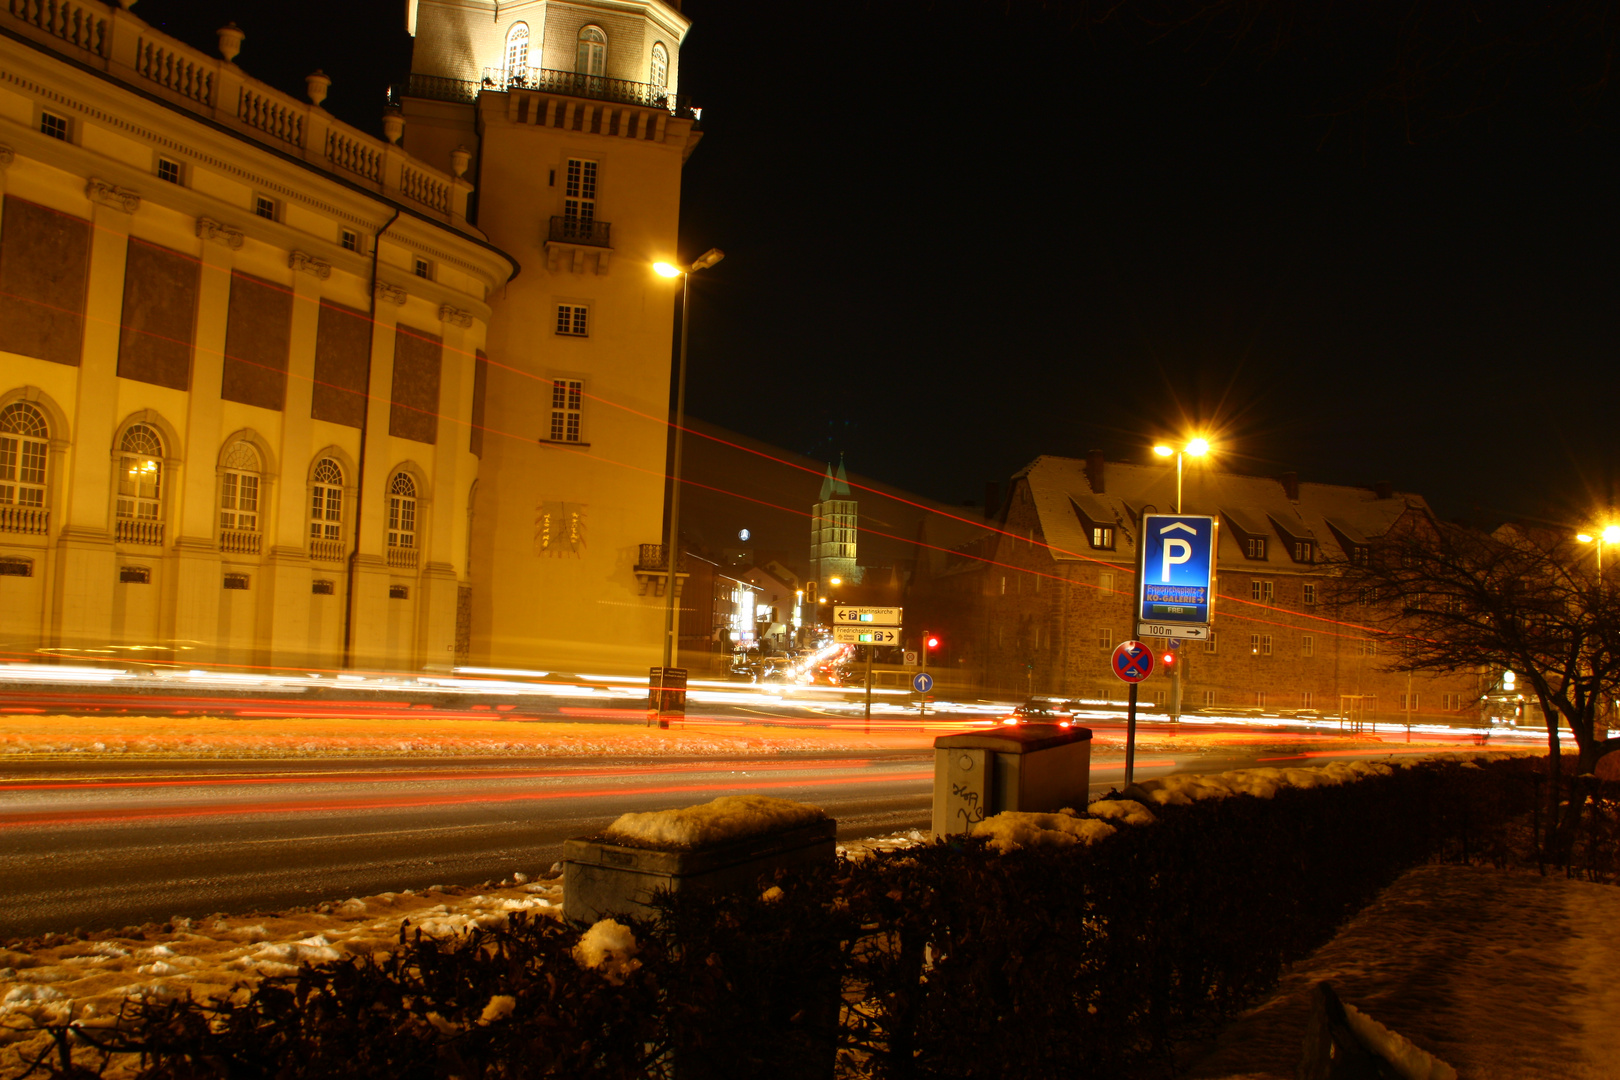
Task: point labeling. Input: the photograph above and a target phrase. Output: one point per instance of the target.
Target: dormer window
(1304, 551)
(1255, 547)
(1102, 537)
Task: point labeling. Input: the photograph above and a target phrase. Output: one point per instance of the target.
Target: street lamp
(703, 262)
(1195, 447)
(1609, 535)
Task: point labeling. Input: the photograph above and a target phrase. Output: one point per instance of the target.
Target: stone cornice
(100, 191)
(391, 293)
(303, 263)
(209, 229)
(455, 315)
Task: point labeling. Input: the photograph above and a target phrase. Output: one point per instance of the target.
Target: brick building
(1038, 602)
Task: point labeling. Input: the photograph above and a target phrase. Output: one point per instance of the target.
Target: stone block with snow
(1031, 768)
(728, 844)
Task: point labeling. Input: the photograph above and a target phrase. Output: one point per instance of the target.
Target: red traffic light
(1168, 659)
(930, 641)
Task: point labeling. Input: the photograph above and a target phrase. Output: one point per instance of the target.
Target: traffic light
(930, 642)
(810, 593)
(1168, 659)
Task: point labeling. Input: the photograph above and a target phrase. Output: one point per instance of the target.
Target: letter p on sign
(1175, 551)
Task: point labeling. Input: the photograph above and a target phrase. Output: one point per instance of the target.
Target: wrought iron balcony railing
(571, 230)
(651, 557)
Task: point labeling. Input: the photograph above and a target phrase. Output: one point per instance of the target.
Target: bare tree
(1451, 599)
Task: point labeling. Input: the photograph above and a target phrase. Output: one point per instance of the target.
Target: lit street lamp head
(1611, 534)
(1198, 447)
(1163, 450)
(702, 262)
(664, 269)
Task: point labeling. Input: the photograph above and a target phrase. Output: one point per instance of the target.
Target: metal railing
(133, 531)
(651, 557)
(573, 230)
(239, 541)
(29, 520)
(594, 87)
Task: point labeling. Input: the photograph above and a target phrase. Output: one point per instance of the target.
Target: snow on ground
(730, 817)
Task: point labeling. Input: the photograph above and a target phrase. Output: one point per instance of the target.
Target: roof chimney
(1384, 489)
(1290, 483)
(1094, 470)
(992, 499)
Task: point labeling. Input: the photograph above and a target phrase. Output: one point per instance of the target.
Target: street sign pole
(1130, 738)
(870, 649)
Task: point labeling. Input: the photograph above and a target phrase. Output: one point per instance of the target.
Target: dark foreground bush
(943, 961)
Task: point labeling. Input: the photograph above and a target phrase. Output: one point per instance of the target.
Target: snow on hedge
(609, 947)
(732, 817)
(1128, 811)
(1013, 829)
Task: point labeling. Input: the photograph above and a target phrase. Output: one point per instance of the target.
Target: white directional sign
(1196, 633)
(866, 616)
(1177, 571)
(864, 635)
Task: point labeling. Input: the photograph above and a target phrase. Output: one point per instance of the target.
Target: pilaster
(370, 625)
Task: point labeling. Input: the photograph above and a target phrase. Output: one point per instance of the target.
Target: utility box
(1038, 768)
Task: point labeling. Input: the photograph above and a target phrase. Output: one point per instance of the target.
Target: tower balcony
(549, 81)
(573, 230)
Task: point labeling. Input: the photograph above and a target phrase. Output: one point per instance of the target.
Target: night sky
(962, 234)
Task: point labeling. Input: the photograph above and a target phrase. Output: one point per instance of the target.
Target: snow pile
(732, 817)
(610, 948)
(1013, 829)
(1411, 1062)
(1124, 811)
(1263, 783)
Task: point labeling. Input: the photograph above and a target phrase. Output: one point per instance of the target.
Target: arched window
(23, 449)
(659, 76)
(402, 511)
(239, 488)
(140, 485)
(326, 511)
(517, 50)
(592, 56)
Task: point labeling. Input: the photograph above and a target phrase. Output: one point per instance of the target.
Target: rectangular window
(349, 239)
(1307, 645)
(1105, 582)
(579, 190)
(1265, 644)
(1102, 538)
(1304, 551)
(1367, 647)
(168, 170)
(1209, 642)
(13, 566)
(1409, 703)
(1305, 699)
(53, 125)
(1260, 698)
(1451, 702)
(572, 320)
(1309, 594)
(1105, 639)
(1254, 644)
(323, 587)
(1159, 697)
(236, 581)
(239, 501)
(398, 592)
(135, 575)
(1261, 590)
(1255, 548)
(265, 208)
(566, 401)
(1369, 596)
(422, 268)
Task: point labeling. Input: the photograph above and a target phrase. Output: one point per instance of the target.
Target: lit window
(239, 489)
(659, 75)
(1255, 548)
(1260, 590)
(1310, 595)
(1305, 699)
(1209, 698)
(1105, 582)
(1307, 645)
(1254, 644)
(579, 191)
(591, 57)
(517, 49)
(23, 453)
(1102, 538)
(140, 475)
(169, 170)
(566, 402)
(1260, 698)
(572, 319)
(265, 208)
(54, 126)
(350, 240)
(422, 268)
(326, 510)
(402, 511)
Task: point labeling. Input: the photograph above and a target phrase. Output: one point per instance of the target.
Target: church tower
(568, 118)
(833, 531)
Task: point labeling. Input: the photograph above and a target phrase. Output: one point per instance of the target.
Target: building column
(436, 614)
(87, 570)
(368, 626)
(284, 624)
(197, 564)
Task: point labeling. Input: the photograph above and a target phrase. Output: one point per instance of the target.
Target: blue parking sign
(1177, 570)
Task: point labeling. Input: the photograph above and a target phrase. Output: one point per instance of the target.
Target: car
(1040, 711)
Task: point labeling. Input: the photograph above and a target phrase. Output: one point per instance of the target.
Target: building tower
(833, 531)
(567, 116)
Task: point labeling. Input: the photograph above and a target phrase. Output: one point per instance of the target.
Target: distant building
(835, 531)
(1037, 604)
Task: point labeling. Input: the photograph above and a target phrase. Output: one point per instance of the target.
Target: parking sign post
(1133, 662)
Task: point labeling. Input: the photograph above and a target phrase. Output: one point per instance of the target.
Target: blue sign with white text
(1178, 570)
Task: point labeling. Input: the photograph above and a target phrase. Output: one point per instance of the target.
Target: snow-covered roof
(1329, 515)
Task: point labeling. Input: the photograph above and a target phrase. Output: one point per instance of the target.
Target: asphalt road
(100, 844)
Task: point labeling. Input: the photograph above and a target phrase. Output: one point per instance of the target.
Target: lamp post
(1609, 535)
(1197, 448)
(672, 539)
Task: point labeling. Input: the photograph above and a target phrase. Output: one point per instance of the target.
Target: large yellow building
(274, 391)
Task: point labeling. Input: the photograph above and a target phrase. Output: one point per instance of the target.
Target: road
(106, 843)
